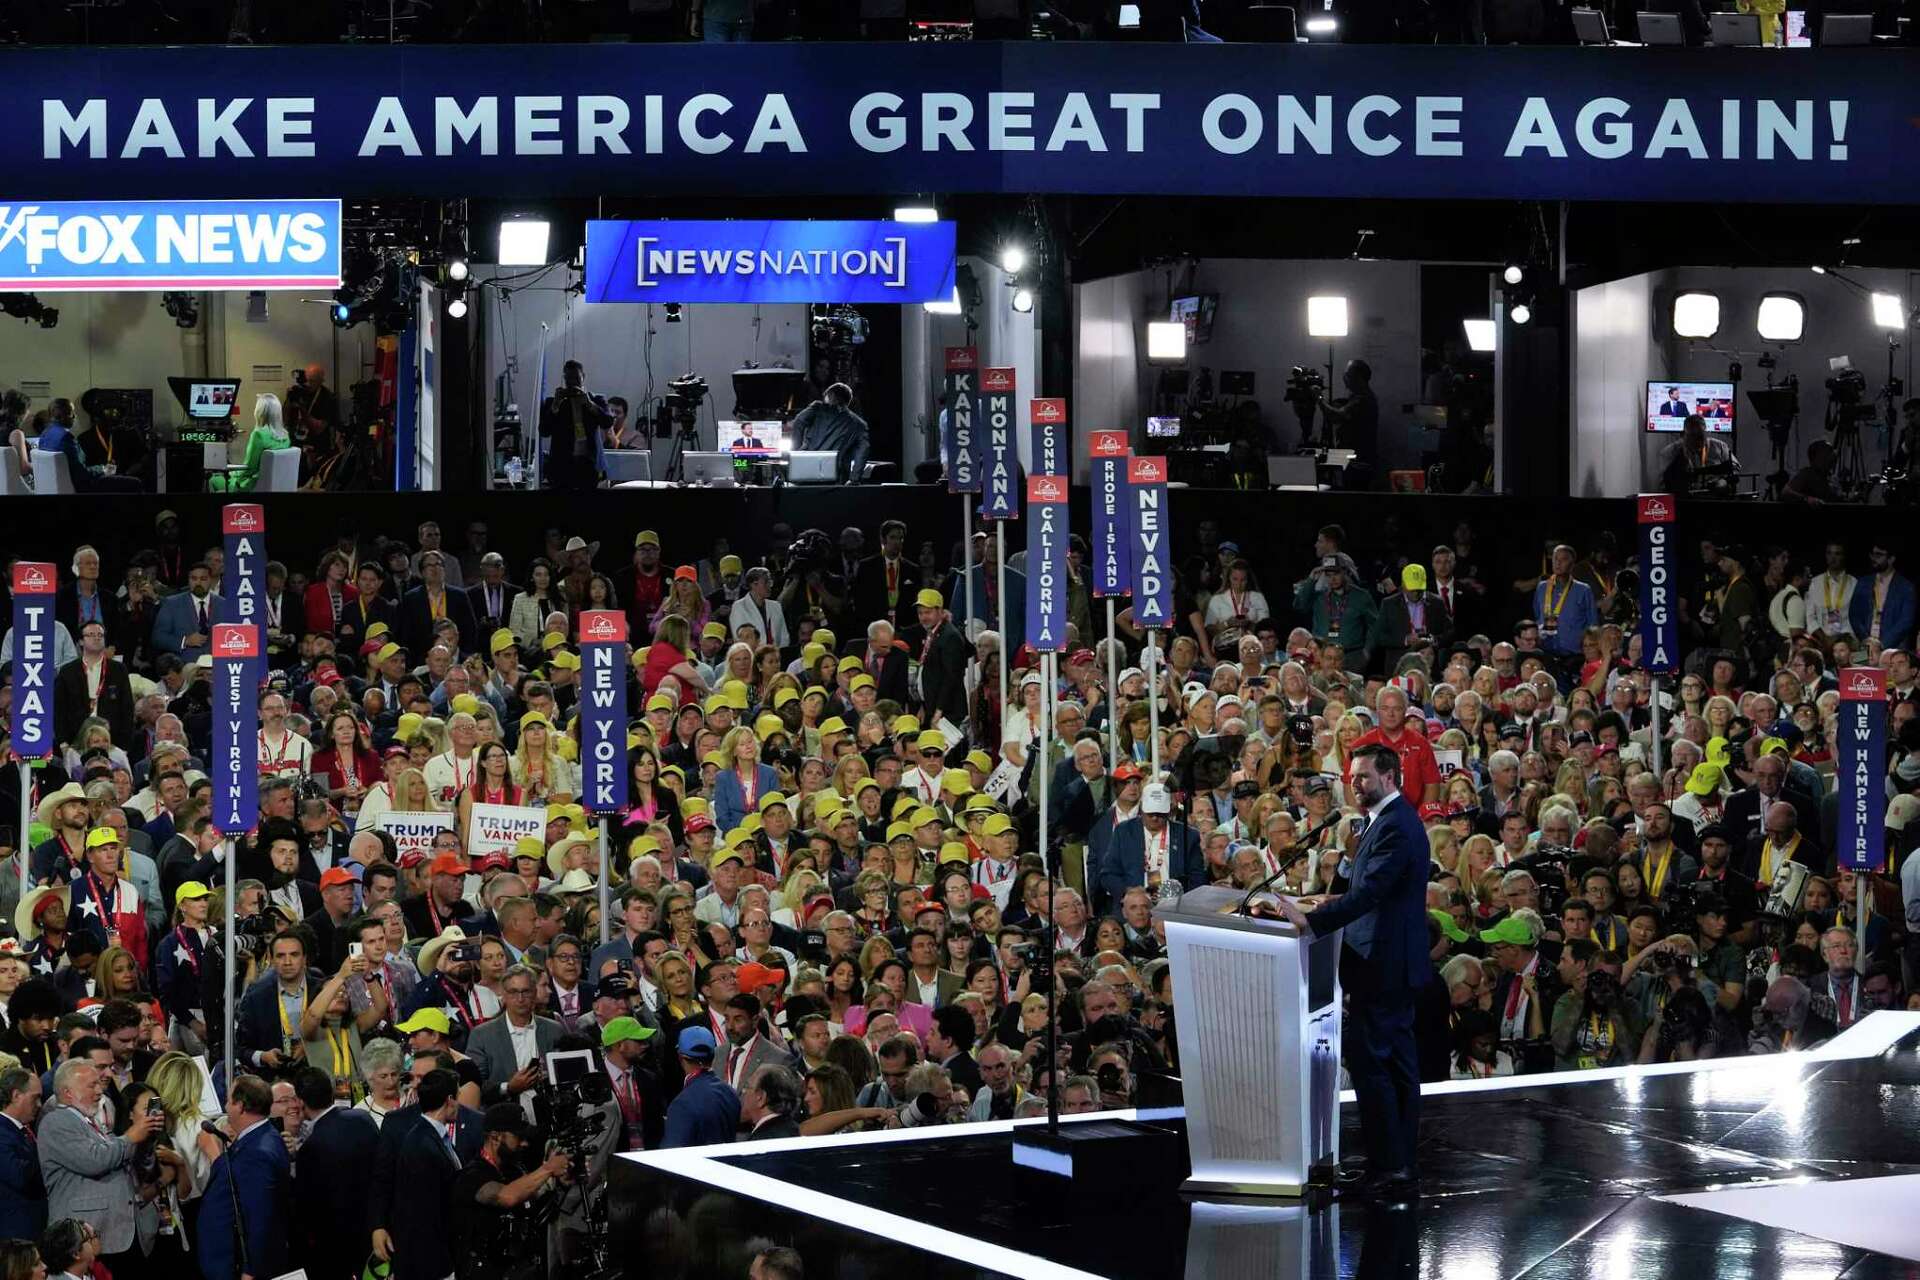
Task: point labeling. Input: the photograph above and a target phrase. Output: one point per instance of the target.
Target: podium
(1257, 1014)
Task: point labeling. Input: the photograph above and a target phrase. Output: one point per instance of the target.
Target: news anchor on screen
(1383, 964)
(1674, 407)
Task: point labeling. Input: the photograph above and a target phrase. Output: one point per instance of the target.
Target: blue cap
(697, 1042)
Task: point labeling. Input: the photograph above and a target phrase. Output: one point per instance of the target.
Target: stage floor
(1787, 1167)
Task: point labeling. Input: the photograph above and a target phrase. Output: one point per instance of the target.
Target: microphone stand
(1306, 840)
(244, 1266)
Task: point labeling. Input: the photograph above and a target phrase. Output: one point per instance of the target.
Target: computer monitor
(1733, 30)
(1670, 403)
(206, 399)
(1846, 28)
(712, 469)
(627, 465)
(762, 439)
(1163, 428)
(1660, 28)
(1196, 313)
(813, 466)
(1590, 26)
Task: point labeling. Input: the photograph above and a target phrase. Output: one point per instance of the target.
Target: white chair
(50, 473)
(12, 483)
(279, 471)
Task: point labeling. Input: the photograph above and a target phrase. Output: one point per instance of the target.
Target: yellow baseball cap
(930, 740)
(692, 804)
(750, 824)
(190, 889)
(532, 718)
(979, 803)
(100, 837)
(922, 816)
(826, 637)
(859, 682)
(769, 724)
(980, 760)
(377, 630)
(715, 759)
(552, 640)
(898, 831)
(769, 800)
(646, 538)
(998, 824)
(904, 804)
(849, 663)
(729, 564)
(954, 851)
(783, 695)
(502, 639)
(567, 660)
(662, 702)
(465, 702)
(955, 783)
(386, 651)
(531, 847)
(716, 702)
(930, 599)
(811, 652)
(832, 724)
(903, 725)
(641, 845)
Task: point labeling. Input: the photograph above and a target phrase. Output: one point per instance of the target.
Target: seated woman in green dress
(268, 433)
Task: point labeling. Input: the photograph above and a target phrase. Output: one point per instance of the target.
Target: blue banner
(1052, 441)
(603, 711)
(1861, 769)
(235, 766)
(1047, 562)
(1112, 515)
(768, 261)
(1390, 121)
(1000, 450)
(243, 581)
(1152, 554)
(106, 245)
(961, 439)
(1659, 621)
(31, 727)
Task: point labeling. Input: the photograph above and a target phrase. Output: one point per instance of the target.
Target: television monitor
(753, 439)
(1196, 312)
(206, 399)
(1669, 403)
(1163, 428)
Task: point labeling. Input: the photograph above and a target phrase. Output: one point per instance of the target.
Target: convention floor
(1784, 1167)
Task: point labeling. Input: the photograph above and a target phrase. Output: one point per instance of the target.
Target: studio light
(1782, 318)
(458, 270)
(523, 242)
(1514, 273)
(457, 309)
(1023, 303)
(1480, 334)
(1013, 259)
(944, 307)
(1696, 315)
(1521, 313)
(1817, 269)
(1327, 316)
(1166, 341)
(342, 312)
(1888, 311)
(673, 312)
(916, 213)
(1324, 25)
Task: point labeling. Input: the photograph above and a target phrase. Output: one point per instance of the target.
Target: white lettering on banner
(31, 672)
(1659, 589)
(1110, 526)
(889, 264)
(1049, 568)
(496, 828)
(1001, 122)
(1152, 572)
(999, 454)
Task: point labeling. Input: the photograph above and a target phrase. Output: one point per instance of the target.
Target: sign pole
(606, 880)
(23, 846)
(603, 734)
(963, 460)
(1659, 755)
(1113, 692)
(1153, 699)
(226, 995)
(1659, 625)
(966, 560)
(1112, 528)
(1000, 592)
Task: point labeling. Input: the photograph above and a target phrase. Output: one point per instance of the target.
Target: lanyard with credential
(281, 1004)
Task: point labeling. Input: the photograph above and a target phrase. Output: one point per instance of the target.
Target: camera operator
(932, 1099)
(493, 1215)
(1652, 978)
(1590, 1027)
(830, 423)
(575, 420)
(1111, 1069)
(1355, 421)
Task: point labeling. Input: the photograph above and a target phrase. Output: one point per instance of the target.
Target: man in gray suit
(89, 1174)
(508, 1049)
(751, 1043)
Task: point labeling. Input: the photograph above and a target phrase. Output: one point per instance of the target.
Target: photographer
(932, 1099)
(575, 421)
(491, 1198)
(1652, 978)
(1589, 1022)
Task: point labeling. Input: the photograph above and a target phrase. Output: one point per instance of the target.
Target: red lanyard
(99, 895)
(272, 764)
(192, 948)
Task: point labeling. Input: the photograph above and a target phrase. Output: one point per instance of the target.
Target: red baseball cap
(496, 859)
(754, 975)
(699, 822)
(411, 859)
(1126, 771)
(335, 876)
(1080, 657)
(327, 676)
(448, 864)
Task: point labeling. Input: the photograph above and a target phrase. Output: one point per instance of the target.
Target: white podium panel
(1257, 1014)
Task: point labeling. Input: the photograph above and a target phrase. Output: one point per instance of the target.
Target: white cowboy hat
(556, 856)
(575, 881)
(72, 791)
(429, 959)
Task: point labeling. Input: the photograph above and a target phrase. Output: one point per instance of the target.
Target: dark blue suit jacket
(730, 798)
(335, 1161)
(1124, 861)
(1384, 910)
(23, 1196)
(706, 1111)
(259, 1166)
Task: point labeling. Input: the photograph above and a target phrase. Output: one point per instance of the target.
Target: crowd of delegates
(830, 907)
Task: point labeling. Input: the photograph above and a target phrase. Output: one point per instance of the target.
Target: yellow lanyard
(437, 605)
(342, 1046)
(1767, 852)
(282, 1006)
(1549, 605)
(1659, 877)
(1832, 599)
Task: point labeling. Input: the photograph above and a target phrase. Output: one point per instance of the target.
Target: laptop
(1590, 27)
(1734, 30)
(1846, 28)
(626, 465)
(813, 466)
(715, 470)
(1293, 471)
(1660, 28)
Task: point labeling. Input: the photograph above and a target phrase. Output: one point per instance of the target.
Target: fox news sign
(114, 245)
(767, 261)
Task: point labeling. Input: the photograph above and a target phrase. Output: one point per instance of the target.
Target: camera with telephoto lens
(1305, 386)
(1603, 990)
(1038, 962)
(1664, 963)
(252, 933)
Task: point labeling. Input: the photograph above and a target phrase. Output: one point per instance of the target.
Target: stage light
(1321, 26)
(1782, 318)
(1480, 334)
(1521, 313)
(1013, 259)
(1514, 273)
(523, 242)
(673, 312)
(1166, 340)
(944, 306)
(916, 213)
(457, 309)
(1817, 269)
(1696, 315)
(458, 270)
(1023, 301)
(1888, 311)
(1327, 316)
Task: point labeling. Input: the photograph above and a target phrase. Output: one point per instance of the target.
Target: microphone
(1307, 839)
(1171, 892)
(208, 1126)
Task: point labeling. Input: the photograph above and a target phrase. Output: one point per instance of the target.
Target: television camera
(1306, 387)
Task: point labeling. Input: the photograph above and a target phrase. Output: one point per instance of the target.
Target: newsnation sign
(765, 261)
(780, 118)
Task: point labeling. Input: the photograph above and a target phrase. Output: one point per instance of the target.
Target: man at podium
(1383, 963)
